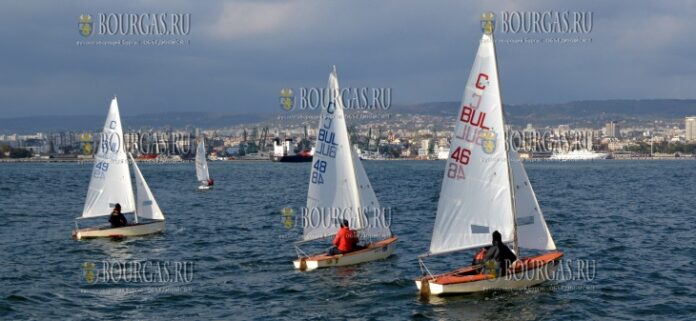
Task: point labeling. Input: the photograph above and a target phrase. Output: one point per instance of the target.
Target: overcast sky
(241, 53)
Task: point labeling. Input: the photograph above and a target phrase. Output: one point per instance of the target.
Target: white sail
(201, 163)
(110, 181)
(146, 206)
(376, 222)
(333, 191)
(532, 232)
(475, 199)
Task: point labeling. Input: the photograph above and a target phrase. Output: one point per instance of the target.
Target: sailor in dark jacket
(117, 219)
(500, 253)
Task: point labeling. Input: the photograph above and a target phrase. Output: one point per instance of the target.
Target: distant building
(424, 150)
(563, 129)
(612, 130)
(442, 149)
(690, 123)
(529, 129)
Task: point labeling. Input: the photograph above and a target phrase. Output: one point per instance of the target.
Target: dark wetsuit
(118, 220)
(502, 254)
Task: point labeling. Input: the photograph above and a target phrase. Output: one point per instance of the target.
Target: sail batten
(110, 182)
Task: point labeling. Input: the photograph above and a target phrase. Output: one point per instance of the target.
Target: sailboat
(340, 189)
(486, 189)
(110, 184)
(204, 180)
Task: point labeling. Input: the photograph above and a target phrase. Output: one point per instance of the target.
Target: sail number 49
(455, 170)
(100, 169)
(320, 167)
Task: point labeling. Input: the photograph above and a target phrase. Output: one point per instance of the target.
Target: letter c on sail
(481, 84)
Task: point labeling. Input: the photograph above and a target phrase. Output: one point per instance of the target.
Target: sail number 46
(461, 155)
(455, 170)
(320, 167)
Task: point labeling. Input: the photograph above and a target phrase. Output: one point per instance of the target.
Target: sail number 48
(320, 167)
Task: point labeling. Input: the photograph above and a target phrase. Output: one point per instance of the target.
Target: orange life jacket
(345, 239)
(480, 255)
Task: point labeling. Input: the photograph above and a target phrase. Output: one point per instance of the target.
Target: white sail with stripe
(377, 223)
(532, 232)
(146, 206)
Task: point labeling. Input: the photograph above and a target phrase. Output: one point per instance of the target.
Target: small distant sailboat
(485, 188)
(204, 180)
(110, 184)
(338, 183)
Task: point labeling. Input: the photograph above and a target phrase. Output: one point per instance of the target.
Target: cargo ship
(287, 151)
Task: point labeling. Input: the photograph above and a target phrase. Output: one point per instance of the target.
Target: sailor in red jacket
(345, 241)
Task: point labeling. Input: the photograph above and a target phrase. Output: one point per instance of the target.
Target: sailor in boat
(210, 182)
(480, 256)
(117, 219)
(500, 254)
(346, 240)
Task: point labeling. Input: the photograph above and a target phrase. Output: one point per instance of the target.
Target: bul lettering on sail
(327, 137)
(472, 116)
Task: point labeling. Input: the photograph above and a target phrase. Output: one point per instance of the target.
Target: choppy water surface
(636, 219)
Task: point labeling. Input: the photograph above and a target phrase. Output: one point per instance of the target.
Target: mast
(135, 211)
(488, 25)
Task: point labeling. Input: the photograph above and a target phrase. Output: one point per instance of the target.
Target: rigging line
(424, 268)
(300, 253)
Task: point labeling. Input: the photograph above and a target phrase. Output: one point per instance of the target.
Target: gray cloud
(243, 52)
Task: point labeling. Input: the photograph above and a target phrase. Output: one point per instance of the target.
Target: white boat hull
(578, 155)
(479, 283)
(374, 251)
(126, 231)
(204, 187)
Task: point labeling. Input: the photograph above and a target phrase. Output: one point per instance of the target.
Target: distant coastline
(171, 161)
